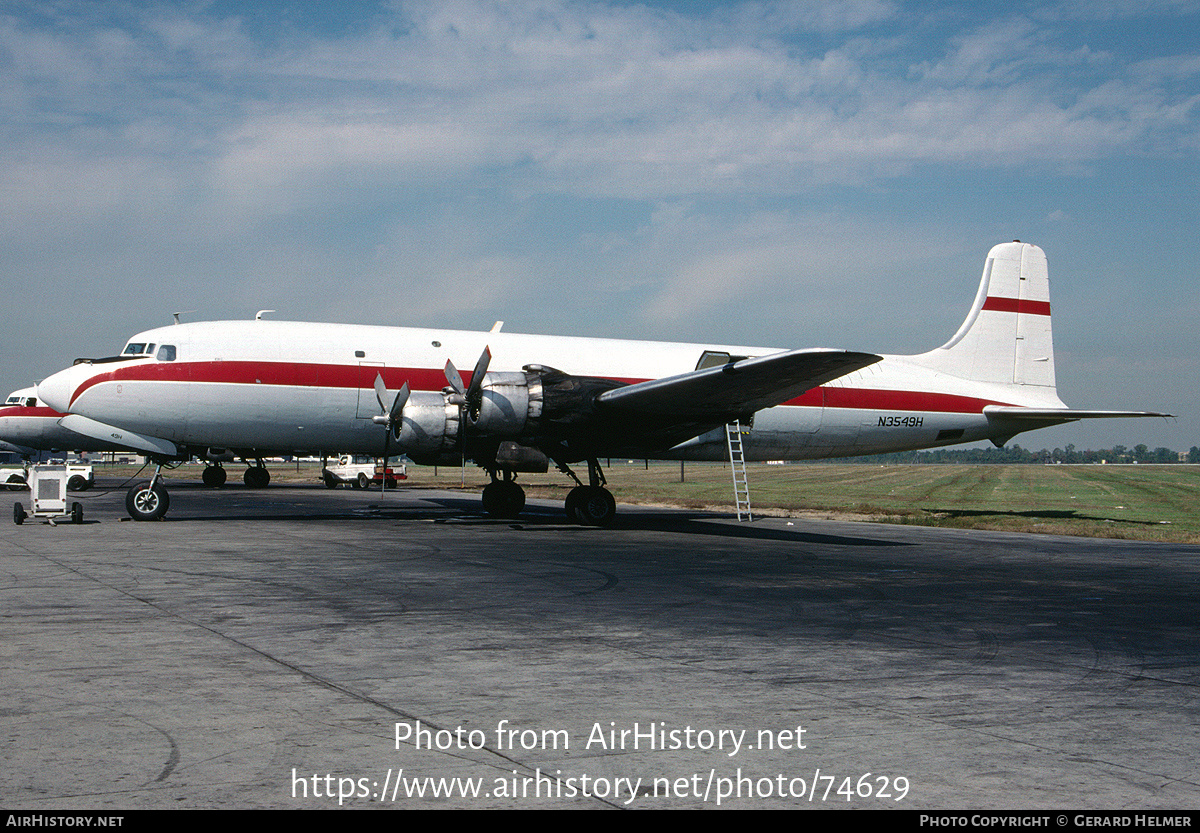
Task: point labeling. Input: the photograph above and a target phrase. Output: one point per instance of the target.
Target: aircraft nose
(57, 390)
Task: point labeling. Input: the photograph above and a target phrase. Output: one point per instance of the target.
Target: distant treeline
(1016, 454)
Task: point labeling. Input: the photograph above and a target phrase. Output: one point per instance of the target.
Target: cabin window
(166, 353)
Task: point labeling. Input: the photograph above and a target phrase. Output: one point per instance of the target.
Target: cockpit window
(166, 353)
(138, 348)
(13, 400)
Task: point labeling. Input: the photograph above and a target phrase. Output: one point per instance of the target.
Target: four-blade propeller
(389, 418)
(472, 396)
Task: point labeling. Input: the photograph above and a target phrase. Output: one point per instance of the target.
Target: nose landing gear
(148, 500)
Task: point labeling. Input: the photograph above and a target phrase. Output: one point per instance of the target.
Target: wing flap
(718, 393)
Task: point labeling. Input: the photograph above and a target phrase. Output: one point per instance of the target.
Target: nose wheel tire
(144, 502)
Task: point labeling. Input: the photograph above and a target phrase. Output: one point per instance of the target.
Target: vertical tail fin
(1006, 336)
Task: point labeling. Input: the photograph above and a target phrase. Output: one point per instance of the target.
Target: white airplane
(28, 425)
(267, 387)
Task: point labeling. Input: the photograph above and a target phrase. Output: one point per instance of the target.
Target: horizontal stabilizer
(719, 393)
(118, 436)
(1057, 415)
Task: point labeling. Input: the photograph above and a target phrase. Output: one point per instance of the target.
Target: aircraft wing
(717, 394)
(118, 436)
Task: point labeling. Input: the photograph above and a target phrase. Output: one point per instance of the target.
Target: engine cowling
(510, 405)
(428, 428)
(536, 412)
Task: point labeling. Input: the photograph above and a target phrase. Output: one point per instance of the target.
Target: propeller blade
(389, 416)
(481, 366)
(381, 393)
(455, 378)
(399, 403)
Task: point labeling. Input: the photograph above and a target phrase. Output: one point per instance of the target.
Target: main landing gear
(503, 498)
(590, 505)
(256, 476)
(214, 475)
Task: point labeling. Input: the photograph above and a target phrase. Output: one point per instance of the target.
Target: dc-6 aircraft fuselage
(28, 426)
(267, 387)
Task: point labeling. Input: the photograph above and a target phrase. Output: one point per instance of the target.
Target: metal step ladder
(737, 464)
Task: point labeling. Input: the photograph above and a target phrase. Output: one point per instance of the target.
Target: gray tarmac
(302, 648)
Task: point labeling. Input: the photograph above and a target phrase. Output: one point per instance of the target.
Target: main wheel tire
(256, 477)
(503, 499)
(146, 503)
(593, 505)
(214, 476)
(18, 514)
(77, 513)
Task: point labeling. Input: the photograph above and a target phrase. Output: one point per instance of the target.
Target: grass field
(1154, 503)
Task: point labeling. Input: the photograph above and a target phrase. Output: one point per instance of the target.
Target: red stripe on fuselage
(26, 411)
(362, 377)
(998, 304)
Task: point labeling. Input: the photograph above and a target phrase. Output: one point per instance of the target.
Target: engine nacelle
(428, 428)
(511, 405)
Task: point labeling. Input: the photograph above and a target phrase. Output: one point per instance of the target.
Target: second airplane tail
(1006, 336)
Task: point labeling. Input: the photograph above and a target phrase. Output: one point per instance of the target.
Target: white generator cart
(48, 497)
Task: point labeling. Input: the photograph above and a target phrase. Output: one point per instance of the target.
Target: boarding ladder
(737, 464)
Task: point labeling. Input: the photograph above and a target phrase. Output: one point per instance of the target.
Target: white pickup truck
(361, 472)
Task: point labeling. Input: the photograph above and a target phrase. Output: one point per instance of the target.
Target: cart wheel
(77, 483)
(76, 512)
(18, 514)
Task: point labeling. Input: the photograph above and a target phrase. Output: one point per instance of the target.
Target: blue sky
(784, 174)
